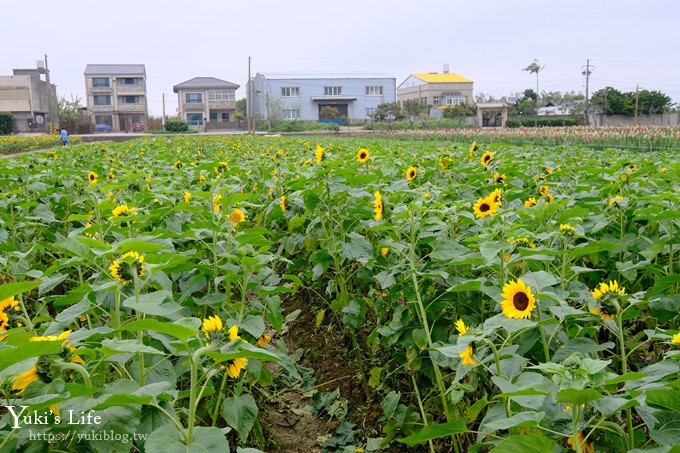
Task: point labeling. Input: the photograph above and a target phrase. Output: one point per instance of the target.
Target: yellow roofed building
(436, 89)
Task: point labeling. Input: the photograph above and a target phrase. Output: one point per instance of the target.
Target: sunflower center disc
(521, 301)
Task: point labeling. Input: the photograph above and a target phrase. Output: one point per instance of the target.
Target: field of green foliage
(497, 297)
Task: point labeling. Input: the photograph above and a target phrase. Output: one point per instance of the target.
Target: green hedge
(543, 122)
(6, 121)
(176, 126)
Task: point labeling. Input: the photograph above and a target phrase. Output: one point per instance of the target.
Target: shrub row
(543, 122)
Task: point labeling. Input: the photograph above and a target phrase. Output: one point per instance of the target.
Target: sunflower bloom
(549, 198)
(473, 148)
(378, 205)
(496, 196)
(484, 207)
(318, 154)
(237, 216)
(486, 158)
(363, 155)
(612, 287)
(21, 381)
(518, 300)
(127, 266)
(264, 340)
(5, 306)
(235, 366)
(211, 325)
(632, 167)
(411, 173)
(531, 202)
(498, 178)
(282, 203)
(615, 200)
(123, 211)
(92, 177)
(461, 327)
(676, 338)
(585, 446)
(467, 356)
(233, 333)
(567, 228)
(384, 251)
(544, 190)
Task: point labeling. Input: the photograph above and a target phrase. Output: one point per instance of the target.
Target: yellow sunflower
(484, 207)
(496, 196)
(676, 338)
(623, 177)
(378, 205)
(5, 306)
(544, 190)
(264, 340)
(384, 251)
(548, 197)
(585, 446)
(632, 167)
(498, 178)
(486, 158)
(411, 173)
(233, 333)
(211, 325)
(22, 380)
(518, 300)
(127, 266)
(237, 216)
(473, 148)
(615, 200)
(567, 228)
(123, 211)
(187, 196)
(612, 287)
(234, 367)
(467, 356)
(363, 155)
(530, 202)
(461, 327)
(318, 153)
(282, 203)
(92, 177)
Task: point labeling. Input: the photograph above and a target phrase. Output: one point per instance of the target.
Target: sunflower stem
(422, 409)
(219, 398)
(575, 414)
(546, 349)
(624, 370)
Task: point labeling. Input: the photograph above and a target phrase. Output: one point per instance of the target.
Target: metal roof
(321, 75)
(115, 69)
(434, 77)
(205, 83)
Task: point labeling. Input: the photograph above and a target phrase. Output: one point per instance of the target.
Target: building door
(341, 108)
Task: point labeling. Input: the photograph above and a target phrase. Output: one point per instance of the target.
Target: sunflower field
(173, 294)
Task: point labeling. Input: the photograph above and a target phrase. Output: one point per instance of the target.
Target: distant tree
(69, 113)
(6, 123)
(481, 98)
(534, 68)
(460, 111)
(528, 104)
(611, 101)
(651, 102)
(388, 112)
(415, 110)
(241, 107)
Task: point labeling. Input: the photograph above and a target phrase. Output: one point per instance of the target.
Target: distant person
(64, 137)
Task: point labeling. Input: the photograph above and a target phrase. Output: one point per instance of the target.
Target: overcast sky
(629, 42)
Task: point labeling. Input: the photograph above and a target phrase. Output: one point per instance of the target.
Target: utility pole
(163, 117)
(249, 114)
(637, 103)
(586, 72)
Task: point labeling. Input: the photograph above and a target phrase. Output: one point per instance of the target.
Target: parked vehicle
(104, 128)
(138, 127)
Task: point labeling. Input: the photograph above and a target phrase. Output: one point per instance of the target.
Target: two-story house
(304, 96)
(29, 97)
(116, 97)
(439, 90)
(206, 99)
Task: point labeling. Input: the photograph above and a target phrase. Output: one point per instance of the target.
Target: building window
(213, 117)
(370, 111)
(374, 91)
(290, 92)
(291, 114)
(221, 96)
(130, 99)
(225, 117)
(332, 91)
(193, 98)
(131, 81)
(102, 100)
(454, 100)
(103, 119)
(423, 101)
(100, 82)
(195, 119)
(435, 100)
